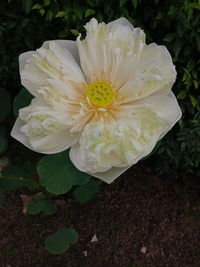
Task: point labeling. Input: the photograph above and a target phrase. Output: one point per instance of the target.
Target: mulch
(139, 220)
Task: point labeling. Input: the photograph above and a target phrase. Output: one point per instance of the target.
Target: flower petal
(71, 46)
(43, 130)
(119, 22)
(51, 64)
(120, 144)
(108, 51)
(23, 58)
(152, 72)
(108, 176)
(165, 106)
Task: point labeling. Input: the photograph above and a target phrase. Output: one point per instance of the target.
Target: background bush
(26, 24)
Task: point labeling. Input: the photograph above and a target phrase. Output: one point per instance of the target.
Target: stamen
(100, 94)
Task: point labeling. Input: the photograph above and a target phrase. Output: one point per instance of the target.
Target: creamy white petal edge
(104, 142)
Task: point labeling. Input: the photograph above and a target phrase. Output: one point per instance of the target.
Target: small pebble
(85, 253)
(94, 238)
(143, 250)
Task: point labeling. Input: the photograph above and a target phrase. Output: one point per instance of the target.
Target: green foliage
(41, 204)
(60, 241)
(15, 176)
(85, 192)
(58, 174)
(27, 5)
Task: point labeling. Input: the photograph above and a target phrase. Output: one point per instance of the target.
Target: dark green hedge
(26, 24)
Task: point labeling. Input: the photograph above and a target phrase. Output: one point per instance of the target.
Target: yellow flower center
(100, 94)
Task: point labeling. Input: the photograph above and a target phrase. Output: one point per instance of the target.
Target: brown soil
(138, 210)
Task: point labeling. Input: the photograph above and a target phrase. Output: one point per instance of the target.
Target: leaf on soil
(40, 204)
(60, 241)
(58, 174)
(85, 192)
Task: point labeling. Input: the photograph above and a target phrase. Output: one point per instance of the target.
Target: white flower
(108, 97)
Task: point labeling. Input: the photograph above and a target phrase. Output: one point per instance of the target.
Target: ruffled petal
(109, 51)
(120, 144)
(108, 176)
(43, 130)
(165, 107)
(152, 72)
(52, 71)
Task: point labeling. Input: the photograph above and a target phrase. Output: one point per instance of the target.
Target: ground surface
(138, 210)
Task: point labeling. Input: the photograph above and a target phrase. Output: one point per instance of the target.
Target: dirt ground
(139, 220)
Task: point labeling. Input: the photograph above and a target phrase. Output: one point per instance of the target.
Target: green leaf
(193, 100)
(3, 144)
(58, 174)
(60, 14)
(22, 100)
(2, 198)
(194, 5)
(74, 32)
(47, 2)
(196, 84)
(42, 11)
(13, 178)
(41, 204)
(85, 192)
(78, 12)
(89, 12)
(122, 2)
(5, 104)
(29, 169)
(49, 15)
(177, 47)
(135, 3)
(60, 241)
(27, 5)
(168, 37)
(50, 207)
(182, 94)
(91, 2)
(13, 170)
(37, 6)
